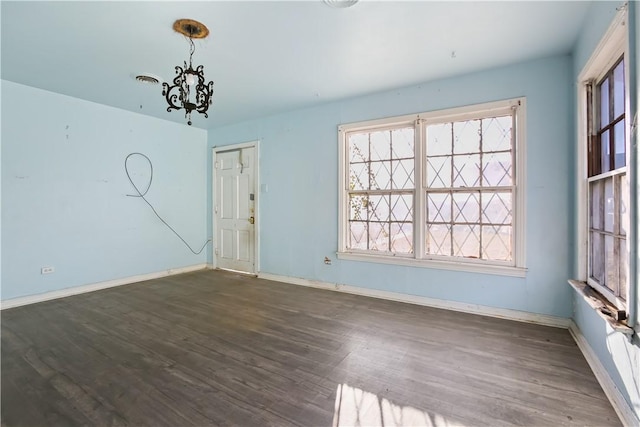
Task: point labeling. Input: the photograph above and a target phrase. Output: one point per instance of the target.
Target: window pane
(624, 265)
(401, 208)
(611, 266)
(609, 205)
(403, 174)
(466, 241)
(380, 176)
(379, 208)
(623, 215)
(438, 239)
(402, 143)
(439, 139)
(439, 207)
(496, 133)
(604, 103)
(618, 134)
(357, 235)
(401, 237)
(359, 176)
(618, 90)
(496, 208)
(358, 207)
(466, 170)
(466, 207)
(439, 172)
(466, 137)
(496, 170)
(380, 145)
(379, 236)
(596, 207)
(359, 147)
(604, 153)
(496, 242)
(597, 258)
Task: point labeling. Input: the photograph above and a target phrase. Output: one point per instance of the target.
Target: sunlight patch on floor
(355, 407)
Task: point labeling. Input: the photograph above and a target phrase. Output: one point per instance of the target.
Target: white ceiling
(270, 57)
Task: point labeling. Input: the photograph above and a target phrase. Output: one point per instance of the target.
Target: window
(440, 189)
(603, 168)
(608, 192)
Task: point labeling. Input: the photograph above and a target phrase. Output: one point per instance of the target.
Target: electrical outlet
(47, 270)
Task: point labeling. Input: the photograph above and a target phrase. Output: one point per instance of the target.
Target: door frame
(256, 187)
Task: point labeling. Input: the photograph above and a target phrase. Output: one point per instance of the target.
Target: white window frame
(613, 45)
(516, 267)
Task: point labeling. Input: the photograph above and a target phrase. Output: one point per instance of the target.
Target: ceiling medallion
(189, 91)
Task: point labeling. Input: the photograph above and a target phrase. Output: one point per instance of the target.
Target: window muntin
(460, 209)
(608, 192)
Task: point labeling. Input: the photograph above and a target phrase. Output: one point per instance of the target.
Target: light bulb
(190, 78)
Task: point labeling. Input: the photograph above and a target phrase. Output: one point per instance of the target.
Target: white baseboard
(618, 402)
(32, 299)
(521, 316)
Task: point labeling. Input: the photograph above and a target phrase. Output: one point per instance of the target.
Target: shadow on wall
(355, 407)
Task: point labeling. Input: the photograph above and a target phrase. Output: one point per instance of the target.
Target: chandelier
(189, 90)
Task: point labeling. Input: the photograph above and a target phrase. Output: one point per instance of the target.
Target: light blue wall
(299, 164)
(619, 356)
(64, 192)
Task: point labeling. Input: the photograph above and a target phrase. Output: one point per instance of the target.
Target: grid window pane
(624, 266)
(496, 208)
(466, 241)
(466, 207)
(609, 205)
(438, 239)
(496, 242)
(496, 170)
(439, 139)
(381, 183)
(618, 90)
(466, 137)
(496, 133)
(596, 208)
(604, 103)
(605, 150)
(611, 267)
(466, 170)
(439, 207)
(624, 204)
(439, 172)
(620, 145)
(597, 258)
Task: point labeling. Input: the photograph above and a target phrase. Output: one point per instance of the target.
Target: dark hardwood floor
(218, 348)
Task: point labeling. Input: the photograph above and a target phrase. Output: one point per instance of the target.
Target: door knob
(251, 220)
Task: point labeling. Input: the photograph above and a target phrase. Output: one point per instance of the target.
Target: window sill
(470, 267)
(600, 305)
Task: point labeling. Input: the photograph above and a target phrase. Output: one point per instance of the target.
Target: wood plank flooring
(218, 348)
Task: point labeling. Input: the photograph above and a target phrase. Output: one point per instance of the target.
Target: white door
(235, 209)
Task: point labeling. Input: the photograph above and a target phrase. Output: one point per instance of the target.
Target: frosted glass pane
(439, 172)
(466, 170)
(380, 145)
(439, 139)
(624, 204)
(439, 207)
(624, 265)
(438, 240)
(466, 137)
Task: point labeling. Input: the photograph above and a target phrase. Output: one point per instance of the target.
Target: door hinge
(216, 251)
(215, 209)
(216, 165)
